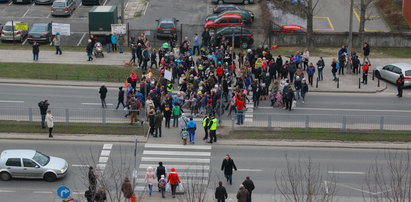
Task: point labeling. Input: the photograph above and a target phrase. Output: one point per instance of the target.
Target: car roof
(14, 22)
(166, 19)
(404, 66)
(41, 24)
(17, 153)
(227, 6)
(63, 1)
(230, 16)
(232, 28)
(292, 27)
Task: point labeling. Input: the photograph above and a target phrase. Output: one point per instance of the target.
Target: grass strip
(73, 128)
(320, 134)
(66, 72)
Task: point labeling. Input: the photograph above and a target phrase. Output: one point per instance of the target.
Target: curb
(69, 83)
(78, 138)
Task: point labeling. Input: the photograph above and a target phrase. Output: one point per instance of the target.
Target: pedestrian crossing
(249, 114)
(192, 163)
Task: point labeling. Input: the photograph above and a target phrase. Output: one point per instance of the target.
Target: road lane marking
(11, 101)
(329, 23)
(177, 153)
(81, 39)
(326, 187)
(107, 146)
(182, 167)
(174, 146)
(85, 103)
(249, 170)
(361, 190)
(104, 2)
(42, 192)
(24, 15)
(179, 160)
(24, 42)
(357, 110)
(11, 2)
(78, 165)
(48, 16)
(346, 172)
(145, 9)
(105, 153)
(6, 191)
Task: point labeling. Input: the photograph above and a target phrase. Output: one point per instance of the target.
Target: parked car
(242, 37)
(287, 29)
(7, 32)
(43, 2)
(228, 7)
(23, 1)
(40, 32)
(391, 72)
(31, 164)
(166, 27)
(63, 7)
(233, 1)
(247, 19)
(224, 20)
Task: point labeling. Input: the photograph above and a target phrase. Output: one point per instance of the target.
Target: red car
(224, 20)
(286, 29)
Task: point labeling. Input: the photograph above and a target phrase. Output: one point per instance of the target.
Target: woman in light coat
(50, 122)
(150, 179)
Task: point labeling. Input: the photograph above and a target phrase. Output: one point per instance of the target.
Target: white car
(31, 164)
(391, 72)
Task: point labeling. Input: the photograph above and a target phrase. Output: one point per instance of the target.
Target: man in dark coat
(158, 120)
(228, 166)
(92, 180)
(249, 185)
(400, 84)
(220, 192)
(43, 105)
(161, 170)
(242, 194)
(120, 97)
(103, 94)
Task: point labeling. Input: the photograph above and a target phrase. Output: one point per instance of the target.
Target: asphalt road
(349, 166)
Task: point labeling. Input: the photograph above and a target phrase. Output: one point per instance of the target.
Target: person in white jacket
(50, 122)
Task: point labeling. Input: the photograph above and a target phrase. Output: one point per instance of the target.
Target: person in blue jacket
(114, 39)
(191, 128)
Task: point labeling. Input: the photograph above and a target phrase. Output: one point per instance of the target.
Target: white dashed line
(107, 146)
(81, 39)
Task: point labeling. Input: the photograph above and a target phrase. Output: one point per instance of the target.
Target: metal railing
(78, 77)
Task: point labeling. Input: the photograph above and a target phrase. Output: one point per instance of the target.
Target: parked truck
(100, 19)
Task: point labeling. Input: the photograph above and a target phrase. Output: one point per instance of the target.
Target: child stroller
(98, 50)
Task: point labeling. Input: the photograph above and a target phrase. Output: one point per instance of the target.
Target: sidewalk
(348, 83)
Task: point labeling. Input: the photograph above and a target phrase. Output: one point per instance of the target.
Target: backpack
(337, 65)
(162, 183)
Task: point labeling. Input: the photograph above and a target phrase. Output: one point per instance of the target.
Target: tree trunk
(363, 9)
(309, 36)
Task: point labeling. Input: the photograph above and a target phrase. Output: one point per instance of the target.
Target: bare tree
(365, 15)
(390, 179)
(196, 183)
(302, 181)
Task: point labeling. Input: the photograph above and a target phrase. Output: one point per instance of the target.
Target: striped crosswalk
(248, 116)
(192, 162)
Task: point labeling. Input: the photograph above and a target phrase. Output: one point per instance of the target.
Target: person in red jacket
(219, 72)
(240, 106)
(365, 68)
(173, 179)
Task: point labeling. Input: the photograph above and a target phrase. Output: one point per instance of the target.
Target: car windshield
(8, 28)
(58, 4)
(39, 28)
(41, 159)
(408, 73)
(167, 25)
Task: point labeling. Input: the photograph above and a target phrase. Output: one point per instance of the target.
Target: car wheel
(378, 74)
(50, 177)
(244, 45)
(220, 2)
(5, 176)
(246, 2)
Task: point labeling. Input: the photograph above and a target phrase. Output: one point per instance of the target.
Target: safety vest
(214, 124)
(170, 87)
(206, 119)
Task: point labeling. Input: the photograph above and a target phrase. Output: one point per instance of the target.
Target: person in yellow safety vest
(170, 89)
(206, 121)
(213, 129)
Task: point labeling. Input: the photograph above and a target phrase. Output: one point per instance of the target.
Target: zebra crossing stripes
(192, 162)
(249, 114)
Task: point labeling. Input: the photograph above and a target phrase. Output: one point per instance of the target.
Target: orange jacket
(365, 68)
(173, 178)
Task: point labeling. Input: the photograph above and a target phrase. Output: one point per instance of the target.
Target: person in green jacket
(206, 121)
(213, 129)
(176, 114)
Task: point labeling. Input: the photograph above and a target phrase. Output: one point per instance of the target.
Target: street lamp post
(350, 42)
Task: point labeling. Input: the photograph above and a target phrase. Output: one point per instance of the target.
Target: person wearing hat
(174, 180)
(57, 43)
(162, 185)
(127, 189)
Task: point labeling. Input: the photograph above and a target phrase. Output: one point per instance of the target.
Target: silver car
(391, 72)
(7, 32)
(31, 164)
(63, 7)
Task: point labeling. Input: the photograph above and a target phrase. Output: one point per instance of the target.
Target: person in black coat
(103, 94)
(89, 50)
(92, 180)
(228, 166)
(120, 97)
(43, 105)
(36, 51)
(161, 170)
(220, 192)
(249, 185)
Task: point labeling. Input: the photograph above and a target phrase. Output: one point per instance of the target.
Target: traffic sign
(63, 192)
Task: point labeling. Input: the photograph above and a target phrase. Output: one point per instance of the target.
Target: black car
(242, 37)
(225, 7)
(166, 27)
(40, 32)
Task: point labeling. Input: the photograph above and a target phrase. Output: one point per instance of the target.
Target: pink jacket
(150, 176)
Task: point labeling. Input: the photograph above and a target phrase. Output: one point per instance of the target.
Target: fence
(267, 120)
